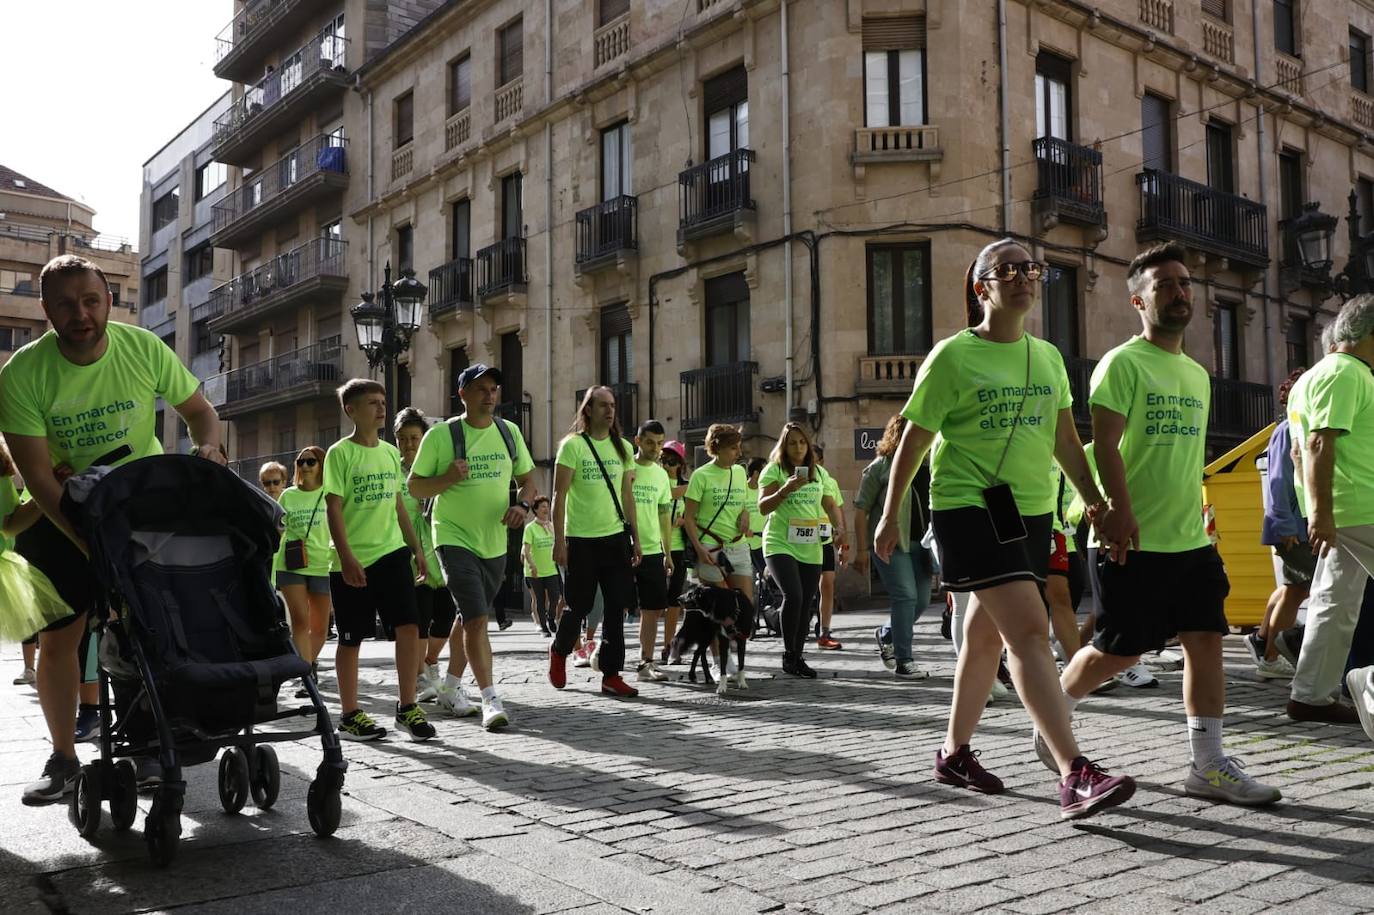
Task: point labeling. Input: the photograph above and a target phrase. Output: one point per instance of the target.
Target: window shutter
(900, 33)
(724, 289)
(1215, 8)
(615, 321)
(511, 59)
(611, 9)
(728, 88)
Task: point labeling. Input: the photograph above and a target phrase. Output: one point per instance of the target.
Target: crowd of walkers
(981, 481)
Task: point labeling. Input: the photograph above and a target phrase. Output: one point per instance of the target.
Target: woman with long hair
(595, 537)
(716, 516)
(303, 559)
(995, 404)
(797, 506)
(541, 575)
(674, 460)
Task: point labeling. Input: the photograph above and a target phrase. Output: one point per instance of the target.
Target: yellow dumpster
(1231, 488)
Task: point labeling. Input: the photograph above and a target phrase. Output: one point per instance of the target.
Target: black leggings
(594, 562)
(546, 593)
(799, 582)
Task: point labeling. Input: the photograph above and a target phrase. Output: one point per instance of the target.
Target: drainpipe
(548, 242)
(788, 345)
(1264, 201)
(1005, 151)
(371, 192)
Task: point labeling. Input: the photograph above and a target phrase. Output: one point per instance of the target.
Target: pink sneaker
(582, 657)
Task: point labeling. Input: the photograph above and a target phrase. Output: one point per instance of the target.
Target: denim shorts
(314, 584)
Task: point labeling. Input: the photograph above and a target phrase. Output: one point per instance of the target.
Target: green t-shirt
(304, 512)
(653, 499)
(1338, 393)
(756, 519)
(793, 528)
(540, 543)
(468, 514)
(87, 411)
(832, 489)
(590, 511)
(679, 539)
(9, 502)
(968, 392)
(367, 480)
(1165, 398)
(711, 486)
(415, 510)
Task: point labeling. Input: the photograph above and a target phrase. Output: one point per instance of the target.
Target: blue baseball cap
(470, 374)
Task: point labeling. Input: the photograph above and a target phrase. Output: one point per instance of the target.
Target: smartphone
(1007, 524)
(803, 472)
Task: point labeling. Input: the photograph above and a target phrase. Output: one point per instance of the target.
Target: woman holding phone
(994, 403)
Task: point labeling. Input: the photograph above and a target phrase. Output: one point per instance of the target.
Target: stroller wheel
(124, 795)
(233, 780)
(84, 811)
(324, 807)
(265, 781)
(163, 834)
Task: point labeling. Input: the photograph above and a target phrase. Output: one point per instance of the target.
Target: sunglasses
(1031, 270)
(273, 482)
(306, 462)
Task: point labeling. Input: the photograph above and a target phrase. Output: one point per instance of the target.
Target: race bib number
(826, 530)
(801, 531)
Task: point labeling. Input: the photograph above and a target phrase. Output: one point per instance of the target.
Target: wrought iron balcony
(1239, 409)
(520, 412)
(303, 80)
(450, 287)
(241, 45)
(302, 374)
(316, 168)
(1227, 225)
(1070, 186)
(718, 394)
(714, 195)
(315, 269)
(607, 232)
(501, 268)
(626, 405)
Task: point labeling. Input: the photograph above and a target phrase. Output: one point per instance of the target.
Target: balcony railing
(606, 230)
(1362, 109)
(403, 161)
(247, 468)
(501, 267)
(626, 404)
(1158, 14)
(510, 99)
(1070, 184)
(317, 165)
(1239, 408)
(915, 143)
(319, 263)
(458, 129)
(312, 371)
(1080, 372)
(891, 374)
(718, 394)
(520, 412)
(1219, 40)
(1289, 71)
(236, 43)
(1227, 225)
(713, 190)
(611, 41)
(273, 99)
(450, 287)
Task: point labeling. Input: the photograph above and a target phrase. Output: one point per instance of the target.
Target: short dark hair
(354, 388)
(410, 416)
(534, 506)
(67, 265)
(651, 427)
(755, 465)
(1153, 256)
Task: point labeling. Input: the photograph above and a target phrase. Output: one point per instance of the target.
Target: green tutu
(28, 600)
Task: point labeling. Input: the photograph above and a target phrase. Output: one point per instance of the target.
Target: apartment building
(37, 224)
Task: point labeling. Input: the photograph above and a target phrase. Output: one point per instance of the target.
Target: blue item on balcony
(330, 158)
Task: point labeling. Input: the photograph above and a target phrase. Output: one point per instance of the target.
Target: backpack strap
(460, 445)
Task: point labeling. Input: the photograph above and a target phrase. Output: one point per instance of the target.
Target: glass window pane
(875, 89)
(915, 301)
(610, 164)
(742, 342)
(718, 134)
(1040, 113)
(626, 160)
(742, 125)
(880, 282)
(1059, 113)
(909, 89)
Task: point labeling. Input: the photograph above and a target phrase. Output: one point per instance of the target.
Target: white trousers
(1333, 609)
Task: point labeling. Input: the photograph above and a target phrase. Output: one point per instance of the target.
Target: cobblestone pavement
(798, 796)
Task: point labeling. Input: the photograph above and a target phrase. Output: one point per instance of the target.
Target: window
(202, 341)
(510, 53)
(19, 282)
(332, 230)
(286, 437)
(1364, 204)
(617, 346)
(114, 295)
(727, 320)
(607, 10)
(1290, 184)
(726, 101)
(166, 208)
(155, 287)
(512, 368)
(405, 248)
(457, 361)
(12, 338)
(899, 320)
(1286, 26)
(208, 178)
(1221, 175)
(1156, 135)
(200, 263)
(460, 84)
(512, 210)
(1053, 78)
(460, 229)
(894, 71)
(1061, 309)
(1226, 337)
(1359, 60)
(404, 129)
(1299, 350)
(616, 161)
(1218, 9)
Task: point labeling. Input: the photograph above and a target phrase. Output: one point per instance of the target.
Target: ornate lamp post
(385, 328)
(1312, 233)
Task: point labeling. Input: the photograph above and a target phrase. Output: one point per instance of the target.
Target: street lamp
(1312, 233)
(384, 329)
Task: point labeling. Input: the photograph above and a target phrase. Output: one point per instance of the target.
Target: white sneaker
(582, 656)
(1277, 669)
(594, 658)
(494, 714)
(999, 690)
(648, 672)
(1168, 659)
(452, 700)
(27, 678)
(910, 670)
(1361, 683)
(1225, 780)
(1138, 676)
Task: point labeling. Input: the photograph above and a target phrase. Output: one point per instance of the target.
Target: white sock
(488, 693)
(1204, 739)
(453, 682)
(1071, 703)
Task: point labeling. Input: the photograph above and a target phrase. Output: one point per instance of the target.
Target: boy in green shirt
(653, 499)
(374, 541)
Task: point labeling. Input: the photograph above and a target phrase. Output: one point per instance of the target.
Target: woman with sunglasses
(674, 460)
(305, 539)
(994, 402)
(272, 478)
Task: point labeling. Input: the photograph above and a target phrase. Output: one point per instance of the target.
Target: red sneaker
(615, 685)
(558, 669)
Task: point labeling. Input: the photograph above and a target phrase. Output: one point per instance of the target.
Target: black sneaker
(87, 723)
(58, 775)
(359, 725)
(1256, 646)
(411, 719)
(503, 625)
(1289, 643)
(803, 670)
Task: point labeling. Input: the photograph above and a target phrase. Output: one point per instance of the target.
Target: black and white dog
(715, 616)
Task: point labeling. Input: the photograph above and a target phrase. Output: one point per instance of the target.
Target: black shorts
(434, 611)
(828, 557)
(1155, 596)
(972, 559)
(651, 582)
(52, 552)
(389, 593)
(678, 579)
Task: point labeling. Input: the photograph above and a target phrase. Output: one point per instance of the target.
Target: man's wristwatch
(525, 505)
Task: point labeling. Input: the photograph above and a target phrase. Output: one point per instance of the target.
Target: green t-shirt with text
(725, 488)
(590, 511)
(679, 539)
(415, 510)
(305, 517)
(87, 411)
(969, 391)
(367, 480)
(653, 499)
(793, 528)
(756, 519)
(832, 489)
(468, 514)
(1165, 398)
(1338, 393)
(540, 543)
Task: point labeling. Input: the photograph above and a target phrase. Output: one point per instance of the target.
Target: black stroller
(195, 652)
